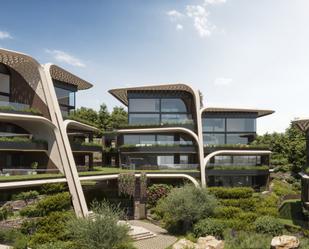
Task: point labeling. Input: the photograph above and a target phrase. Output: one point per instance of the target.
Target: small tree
(101, 232)
(185, 206)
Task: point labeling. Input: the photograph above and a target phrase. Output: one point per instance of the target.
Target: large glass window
(247, 160)
(165, 160)
(173, 105)
(139, 139)
(65, 97)
(241, 124)
(144, 105)
(223, 160)
(213, 124)
(150, 118)
(175, 118)
(237, 138)
(184, 159)
(214, 139)
(4, 83)
(165, 139)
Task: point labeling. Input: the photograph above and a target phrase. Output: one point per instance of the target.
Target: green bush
(30, 211)
(281, 188)
(227, 212)
(238, 224)
(8, 236)
(268, 225)
(5, 212)
(53, 188)
(102, 232)
(245, 240)
(26, 196)
(184, 206)
(56, 245)
(247, 217)
(231, 193)
(247, 204)
(270, 200)
(53, 203)
(156, 192)
(21, 242)
(206, 227)
(271, 211)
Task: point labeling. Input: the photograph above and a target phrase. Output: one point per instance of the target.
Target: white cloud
(64, 57)
(212, 2)
(179, 27)
(223, 81)
(5, 35)
(199, 14)
(174, 15)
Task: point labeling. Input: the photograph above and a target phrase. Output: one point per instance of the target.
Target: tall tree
(104, 117)
(86, 115)
(118, 117)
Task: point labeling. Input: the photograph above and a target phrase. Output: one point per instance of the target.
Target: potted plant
(34, 167)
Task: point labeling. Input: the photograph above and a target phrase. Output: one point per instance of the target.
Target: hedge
(231, 193)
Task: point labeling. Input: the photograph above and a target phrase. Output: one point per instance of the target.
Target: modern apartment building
(170, 130)
(36, 134)
(303, 125)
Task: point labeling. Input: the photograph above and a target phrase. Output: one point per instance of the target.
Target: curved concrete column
(228, 152)
(66, 154)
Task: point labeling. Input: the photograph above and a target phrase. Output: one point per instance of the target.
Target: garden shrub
(5, 212)
(102, 232)
(268, 225)
(53, 188)
(227, 212)
(231, 193)
(271, 211)
(206, 227)
(30, 211)
(156, 192)
(270, 200)
(52, 203)
(247, 217)
(281, 188)
(26, 196)
(238, 224)
(21, 242)
(8, 236)
(184, 206)
(56, 245)
(245, 240)
(247, 204)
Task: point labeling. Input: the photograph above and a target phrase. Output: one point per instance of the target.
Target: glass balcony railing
(159, 143)
(169, 166)
(13, 105)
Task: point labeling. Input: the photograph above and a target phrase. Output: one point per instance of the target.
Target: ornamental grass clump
(126, 184)
(268, 225)
(185, 206)
(102, 231)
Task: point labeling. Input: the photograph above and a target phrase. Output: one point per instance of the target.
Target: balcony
(189, 124)
(159, 147)
(18, 108)
(22, 144)
(239, 169)
(164, 167)
(211, 148)
(86, 147)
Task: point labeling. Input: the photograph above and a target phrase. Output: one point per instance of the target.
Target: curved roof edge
(302, 123)
(23, 57)
(78, 125)
(58, 73)
(122, 93)
(260, 113)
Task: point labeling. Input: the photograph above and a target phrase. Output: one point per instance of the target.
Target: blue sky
(239, 53)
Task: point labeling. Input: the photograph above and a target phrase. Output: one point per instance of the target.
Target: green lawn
(97, 171)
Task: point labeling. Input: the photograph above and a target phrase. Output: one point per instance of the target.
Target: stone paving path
(161, 241)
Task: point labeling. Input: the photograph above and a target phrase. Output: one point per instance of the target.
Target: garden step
(139, 233)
